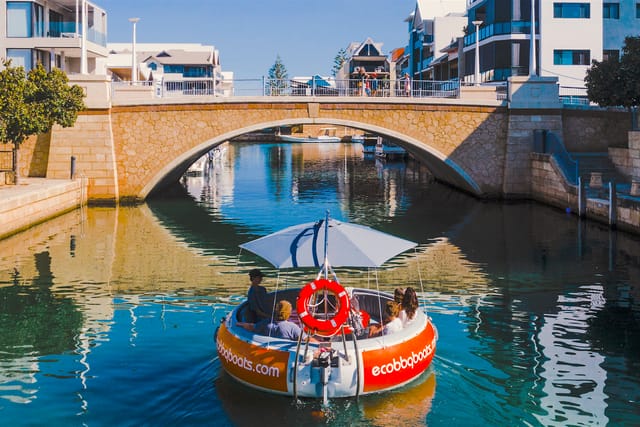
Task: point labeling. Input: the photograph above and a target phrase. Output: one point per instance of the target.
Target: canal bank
(35, 200)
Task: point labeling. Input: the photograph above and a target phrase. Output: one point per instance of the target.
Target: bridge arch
(441, 166)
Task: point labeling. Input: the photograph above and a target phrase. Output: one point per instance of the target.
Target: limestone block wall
(22, 210)
(518, 170)
(548, 185)
(33, 156)
(90, 141)
(627, 160)
(594, 130)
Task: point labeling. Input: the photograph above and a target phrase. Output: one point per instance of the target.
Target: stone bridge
(129, 149)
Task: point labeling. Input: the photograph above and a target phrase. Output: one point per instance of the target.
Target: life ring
(323, 326)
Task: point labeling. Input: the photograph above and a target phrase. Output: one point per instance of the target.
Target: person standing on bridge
(407, 84)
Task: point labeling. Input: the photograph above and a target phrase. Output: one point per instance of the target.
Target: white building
(67, 34)
(569, 36)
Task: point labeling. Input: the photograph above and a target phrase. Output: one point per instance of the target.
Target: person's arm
(248, 326)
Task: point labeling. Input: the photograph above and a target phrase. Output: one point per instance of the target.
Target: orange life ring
(323, 326)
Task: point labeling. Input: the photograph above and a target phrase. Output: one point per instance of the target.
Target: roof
(181, 57)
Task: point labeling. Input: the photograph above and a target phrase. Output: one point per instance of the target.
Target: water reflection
(538, 313)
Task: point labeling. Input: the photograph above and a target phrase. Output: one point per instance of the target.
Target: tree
(31, 103)
(616, 82)
(338, 61)
(278, 76)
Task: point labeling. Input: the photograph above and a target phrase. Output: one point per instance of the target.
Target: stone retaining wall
(548, 186)
(21, 210)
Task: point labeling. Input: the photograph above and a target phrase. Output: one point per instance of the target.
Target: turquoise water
(107, 315)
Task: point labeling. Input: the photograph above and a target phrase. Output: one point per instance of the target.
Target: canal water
(107, 315)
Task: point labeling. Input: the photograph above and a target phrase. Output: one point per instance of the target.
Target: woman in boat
(409, 306)
(280, 327)
(392, 323)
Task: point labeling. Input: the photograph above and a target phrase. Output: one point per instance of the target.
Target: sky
(250, 34)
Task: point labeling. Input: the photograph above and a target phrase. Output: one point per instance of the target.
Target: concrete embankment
(36, 200)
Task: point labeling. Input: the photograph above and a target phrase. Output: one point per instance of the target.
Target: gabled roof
(181, 57)
(359, 49)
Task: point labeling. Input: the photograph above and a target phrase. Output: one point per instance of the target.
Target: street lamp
(134, 65)
(477, 68)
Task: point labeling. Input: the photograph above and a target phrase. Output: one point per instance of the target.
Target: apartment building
(569, 36)
(67, 34)
(432, 26)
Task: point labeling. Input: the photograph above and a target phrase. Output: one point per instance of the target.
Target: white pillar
(134, 61)
(477, 66)
(532, 50)
(83, 40)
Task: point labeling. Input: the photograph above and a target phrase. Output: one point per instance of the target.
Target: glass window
(571, 57)
(638, 10)
(25, 19)
(611, 10)
(20, 58)
(571, 10)
(18, 19)
(608, 54)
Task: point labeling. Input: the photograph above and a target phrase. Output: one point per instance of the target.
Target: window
(608, 54)
(571, 57)
(638, 10)
(20, 58)
(18, 19)
(611, 10)
(25, 19)
(571, 10)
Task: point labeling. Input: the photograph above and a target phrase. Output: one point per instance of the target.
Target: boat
(332, 360)
(381, 148)
(324, 135)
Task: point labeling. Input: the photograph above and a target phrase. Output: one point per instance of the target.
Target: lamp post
(134, 65)
(532, 50)
(477, 67)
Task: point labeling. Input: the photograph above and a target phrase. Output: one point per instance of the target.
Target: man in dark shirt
(259, 307)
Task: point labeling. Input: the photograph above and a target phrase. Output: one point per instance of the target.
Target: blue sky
(249, 34)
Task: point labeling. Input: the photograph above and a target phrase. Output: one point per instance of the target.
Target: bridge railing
(288, 87)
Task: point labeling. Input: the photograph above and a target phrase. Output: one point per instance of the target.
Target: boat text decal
(252, 363)
(398, 364)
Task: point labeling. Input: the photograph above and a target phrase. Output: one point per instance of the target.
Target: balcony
(499, 28)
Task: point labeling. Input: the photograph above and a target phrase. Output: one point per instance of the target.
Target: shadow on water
(409, 404)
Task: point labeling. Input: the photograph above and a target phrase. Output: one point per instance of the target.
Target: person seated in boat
(258, 301)
(391, 324)
(398, 294)
(280, 327)
(359, 319)
(409, 306)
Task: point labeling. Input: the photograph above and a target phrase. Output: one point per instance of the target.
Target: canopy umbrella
(316, 244)
(318, 81)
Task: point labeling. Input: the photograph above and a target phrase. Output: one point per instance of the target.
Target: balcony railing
(498, 28)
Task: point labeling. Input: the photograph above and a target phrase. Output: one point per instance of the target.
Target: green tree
(616, 81)
(31, 103)
(338, 61)
(278, 76)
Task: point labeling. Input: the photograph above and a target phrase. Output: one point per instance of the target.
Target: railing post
(613, 204)
(73, 167)
(264, 86)
(582, 198)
